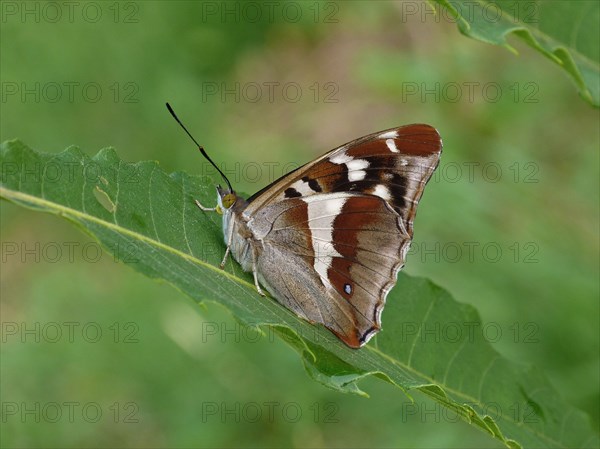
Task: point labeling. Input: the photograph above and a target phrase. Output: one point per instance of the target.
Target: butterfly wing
(394, 164)
(332, 258)
(334, 233)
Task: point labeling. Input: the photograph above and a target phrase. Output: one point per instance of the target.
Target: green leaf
(566, 32)
(430, 342)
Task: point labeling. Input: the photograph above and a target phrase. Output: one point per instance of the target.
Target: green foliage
(145, 217)
(565, 32)
(390, 68)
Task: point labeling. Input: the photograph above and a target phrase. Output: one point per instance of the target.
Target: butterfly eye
(228, 200)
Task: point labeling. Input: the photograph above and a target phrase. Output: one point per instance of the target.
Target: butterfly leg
(255, 273)
(228, 250)
(205, 209)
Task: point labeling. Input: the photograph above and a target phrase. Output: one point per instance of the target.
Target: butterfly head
(226, 198)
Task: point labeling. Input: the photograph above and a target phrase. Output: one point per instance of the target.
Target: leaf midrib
(69, 211)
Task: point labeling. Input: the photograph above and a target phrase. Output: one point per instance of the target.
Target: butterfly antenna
(200, 147)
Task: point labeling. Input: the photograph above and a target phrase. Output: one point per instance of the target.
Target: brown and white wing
(334, 233)
(332, 259)
(394, 165)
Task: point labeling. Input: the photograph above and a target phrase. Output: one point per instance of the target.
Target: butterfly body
(328, 239)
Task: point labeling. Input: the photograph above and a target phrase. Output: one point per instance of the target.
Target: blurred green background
(517, 184)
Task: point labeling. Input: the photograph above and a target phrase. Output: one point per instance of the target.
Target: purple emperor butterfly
(328, 239)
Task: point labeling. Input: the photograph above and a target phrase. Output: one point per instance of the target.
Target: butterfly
(328, 239)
